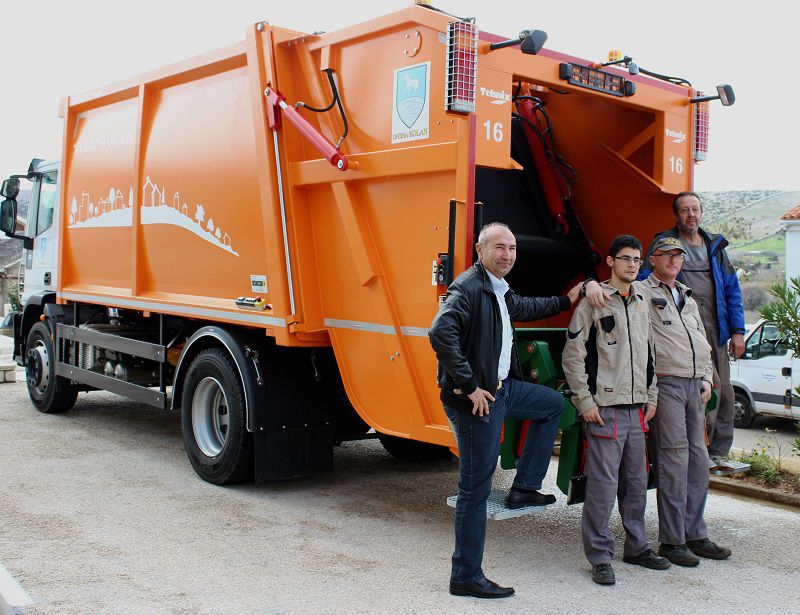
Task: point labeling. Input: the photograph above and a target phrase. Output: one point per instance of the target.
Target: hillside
(750, 221)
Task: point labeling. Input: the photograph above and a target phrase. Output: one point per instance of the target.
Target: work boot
(603, 574)
(648, 559)
(710, 550)
(678, 555)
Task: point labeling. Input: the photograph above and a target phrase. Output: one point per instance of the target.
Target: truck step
(738, 466)
(496, 508)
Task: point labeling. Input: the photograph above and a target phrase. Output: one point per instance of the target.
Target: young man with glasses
(684, 370)
(707, 270)
(608, 365)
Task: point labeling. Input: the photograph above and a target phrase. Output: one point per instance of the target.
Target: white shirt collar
(499, 285)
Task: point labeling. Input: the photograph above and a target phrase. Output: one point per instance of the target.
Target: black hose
(336, 101)
(675, 80)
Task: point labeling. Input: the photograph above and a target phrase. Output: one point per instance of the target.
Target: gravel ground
(100, 512)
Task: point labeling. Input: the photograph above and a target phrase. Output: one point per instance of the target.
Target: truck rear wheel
(48, 392)
(412, 450)
(214, 421)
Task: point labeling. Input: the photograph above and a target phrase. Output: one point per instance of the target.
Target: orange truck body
(171, 188)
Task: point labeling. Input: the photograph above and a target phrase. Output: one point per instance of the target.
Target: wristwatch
(583, 286)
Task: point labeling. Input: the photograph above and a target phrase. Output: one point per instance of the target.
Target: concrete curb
(730, 485)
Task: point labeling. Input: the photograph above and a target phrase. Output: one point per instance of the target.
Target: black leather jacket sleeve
(526, 309)
(445, 336)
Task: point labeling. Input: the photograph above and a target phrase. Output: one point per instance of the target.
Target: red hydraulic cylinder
(318, 140)
(552, 185)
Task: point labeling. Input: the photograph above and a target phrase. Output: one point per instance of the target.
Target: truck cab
(764, 377)
(40, 236)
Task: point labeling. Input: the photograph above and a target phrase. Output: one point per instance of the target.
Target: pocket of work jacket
(609, 430)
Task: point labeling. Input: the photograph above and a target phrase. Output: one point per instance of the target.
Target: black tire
(49, 393)
(412, 450)
(213, 419)
(743, 413)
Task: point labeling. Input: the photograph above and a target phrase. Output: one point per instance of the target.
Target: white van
(765, 377)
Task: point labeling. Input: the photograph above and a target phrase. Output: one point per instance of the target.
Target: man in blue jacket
(707, 270)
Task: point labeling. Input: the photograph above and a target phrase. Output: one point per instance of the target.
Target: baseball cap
(665, 244)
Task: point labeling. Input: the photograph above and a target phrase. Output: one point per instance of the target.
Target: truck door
(40, 269)
(761, 368)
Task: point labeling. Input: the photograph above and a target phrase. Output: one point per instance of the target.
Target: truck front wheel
(214, 421)
(743, 415)
(48, 392)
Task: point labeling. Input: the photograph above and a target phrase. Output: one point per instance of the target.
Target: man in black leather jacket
(481, 385)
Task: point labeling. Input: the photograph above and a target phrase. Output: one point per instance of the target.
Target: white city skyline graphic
(112, 211)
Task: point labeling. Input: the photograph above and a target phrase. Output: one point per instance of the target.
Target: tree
(735, 228)
(200, 214)
(13, 297)
(784, 312)
(210, 225)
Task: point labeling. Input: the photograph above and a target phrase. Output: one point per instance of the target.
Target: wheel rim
(37, 367)
(738, 410)
(210, 417)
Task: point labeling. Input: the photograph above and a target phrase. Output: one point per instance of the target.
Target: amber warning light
(462, 66)
(594, 79)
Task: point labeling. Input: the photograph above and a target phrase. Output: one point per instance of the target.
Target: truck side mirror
(8, 215)
(10, 188)
(533, 42)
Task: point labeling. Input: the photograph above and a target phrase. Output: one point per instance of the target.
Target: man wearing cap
(481, 385)
(715, 287)
(684, 371)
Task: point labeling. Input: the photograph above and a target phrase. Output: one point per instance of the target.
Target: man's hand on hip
(480, 401)
(593, 416)
(736, 347)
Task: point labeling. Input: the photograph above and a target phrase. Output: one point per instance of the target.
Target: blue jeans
(479, 447)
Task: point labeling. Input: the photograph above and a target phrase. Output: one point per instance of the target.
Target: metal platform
(738, 466)
(496, 508)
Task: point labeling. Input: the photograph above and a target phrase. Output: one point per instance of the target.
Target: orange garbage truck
(259, 237)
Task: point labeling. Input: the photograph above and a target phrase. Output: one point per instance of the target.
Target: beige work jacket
(679, 338)
(607, 358)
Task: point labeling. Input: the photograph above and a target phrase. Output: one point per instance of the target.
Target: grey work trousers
(681, 460)
(720, 421)
(615, 467)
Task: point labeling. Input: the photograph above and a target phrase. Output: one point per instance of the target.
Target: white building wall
(792, 249)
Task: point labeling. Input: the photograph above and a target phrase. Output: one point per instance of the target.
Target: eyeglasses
(673, 257)
(630, 259)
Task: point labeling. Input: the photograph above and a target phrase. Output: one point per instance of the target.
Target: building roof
(792, 214)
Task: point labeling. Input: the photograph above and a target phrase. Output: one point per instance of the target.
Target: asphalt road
(101, 513)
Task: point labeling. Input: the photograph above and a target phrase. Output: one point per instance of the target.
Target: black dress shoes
(519, 498)
(483, 588)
